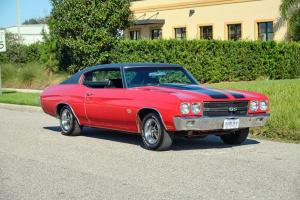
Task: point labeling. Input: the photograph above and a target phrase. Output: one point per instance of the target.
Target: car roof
(75, 78)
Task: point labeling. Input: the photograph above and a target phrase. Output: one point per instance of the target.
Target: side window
(104, 78)
(130, 75)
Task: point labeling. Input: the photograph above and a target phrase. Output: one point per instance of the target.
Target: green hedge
(215, 61)
(209, 61)
(17, 52)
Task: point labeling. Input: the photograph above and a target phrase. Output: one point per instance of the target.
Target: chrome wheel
(155, 136)
(66, 120)
(152, 131)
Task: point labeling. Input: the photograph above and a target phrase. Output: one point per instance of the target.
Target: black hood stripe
(236, 95)
(215, 94)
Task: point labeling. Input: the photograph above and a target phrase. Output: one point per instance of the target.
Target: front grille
(227, 108)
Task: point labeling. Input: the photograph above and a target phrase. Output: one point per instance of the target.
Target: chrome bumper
(216, 123)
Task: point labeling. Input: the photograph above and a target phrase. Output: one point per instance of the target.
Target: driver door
(104, 99)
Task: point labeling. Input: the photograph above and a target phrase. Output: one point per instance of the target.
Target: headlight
(184, 108)
(254, 105)
(263, 105)
(196, 108)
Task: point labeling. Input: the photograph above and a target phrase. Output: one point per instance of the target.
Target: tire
(236, 137)
(68, 122)
(159, 140)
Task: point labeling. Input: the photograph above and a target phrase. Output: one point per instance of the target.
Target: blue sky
(29, 9)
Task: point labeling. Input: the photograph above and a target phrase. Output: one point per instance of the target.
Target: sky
(29, 9)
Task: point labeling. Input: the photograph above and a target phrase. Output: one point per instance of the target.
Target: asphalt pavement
(37, 162)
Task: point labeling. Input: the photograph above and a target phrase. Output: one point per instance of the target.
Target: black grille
(228, 108)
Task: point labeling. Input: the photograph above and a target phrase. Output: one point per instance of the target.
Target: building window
(135, 35)
(180, 33)
(265, 31)
(156, 34)
(234, 31)
(206, 32)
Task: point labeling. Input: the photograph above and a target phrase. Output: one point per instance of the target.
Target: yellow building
(207, 19)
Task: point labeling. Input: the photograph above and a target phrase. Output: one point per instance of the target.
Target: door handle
(89, 94)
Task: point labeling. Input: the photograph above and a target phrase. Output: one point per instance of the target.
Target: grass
(284, 95)
(30, 75)
(13, 97)
(283, 125)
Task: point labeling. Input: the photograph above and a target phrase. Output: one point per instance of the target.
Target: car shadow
(179, 144)
(209, 142)
(104, 134)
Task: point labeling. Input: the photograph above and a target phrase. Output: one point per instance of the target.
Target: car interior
(110, 83)
(103, 79)
(143, 78)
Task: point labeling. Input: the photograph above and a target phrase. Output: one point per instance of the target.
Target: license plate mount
(231, 123)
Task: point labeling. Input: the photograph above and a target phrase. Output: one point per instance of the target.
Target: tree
(40, 20)
(85, 30)
(48, 54)
(290, 12)
(16, 52)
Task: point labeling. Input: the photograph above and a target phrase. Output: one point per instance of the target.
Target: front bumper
(216, 123)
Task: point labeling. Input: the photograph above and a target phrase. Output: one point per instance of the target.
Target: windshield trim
(186, 72)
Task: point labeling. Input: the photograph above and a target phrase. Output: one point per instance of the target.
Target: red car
(157, 101)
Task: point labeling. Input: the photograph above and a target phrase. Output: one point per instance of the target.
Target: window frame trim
(226, 33)
(199, 30)
(186, 72)
(177, 27)
(135, 29)
(256, 37)
(156, 28)
(83, 76)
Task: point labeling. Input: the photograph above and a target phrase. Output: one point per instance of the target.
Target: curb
(24, 90)
(20, 107)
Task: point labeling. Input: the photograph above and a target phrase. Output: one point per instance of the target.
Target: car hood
(199, 92)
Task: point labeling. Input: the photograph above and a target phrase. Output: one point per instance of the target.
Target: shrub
(86, 30)
(7, 72)
(48, 55)
(30, 75)
(215, 61)
(19, 53)
(44, 53)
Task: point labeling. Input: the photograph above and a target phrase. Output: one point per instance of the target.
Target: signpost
(2, 49)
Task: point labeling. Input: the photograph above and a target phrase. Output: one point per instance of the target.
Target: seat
(151, 81)
(115, 83)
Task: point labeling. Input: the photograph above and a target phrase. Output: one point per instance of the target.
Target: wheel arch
(143, 112)
(60, 105)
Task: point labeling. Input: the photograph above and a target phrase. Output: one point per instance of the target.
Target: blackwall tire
(68, 122)
(154, 135)
(236, 137)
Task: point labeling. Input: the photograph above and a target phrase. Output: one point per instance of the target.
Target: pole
(18, 18)
(0, 82)
(2, 49)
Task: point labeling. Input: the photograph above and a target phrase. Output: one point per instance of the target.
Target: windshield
(148, 76)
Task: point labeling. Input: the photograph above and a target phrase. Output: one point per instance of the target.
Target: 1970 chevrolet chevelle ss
(157, 101)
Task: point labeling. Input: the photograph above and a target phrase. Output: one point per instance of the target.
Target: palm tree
(290, 12)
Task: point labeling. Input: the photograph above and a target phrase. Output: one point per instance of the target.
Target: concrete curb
(20, 107)
(24, 90)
